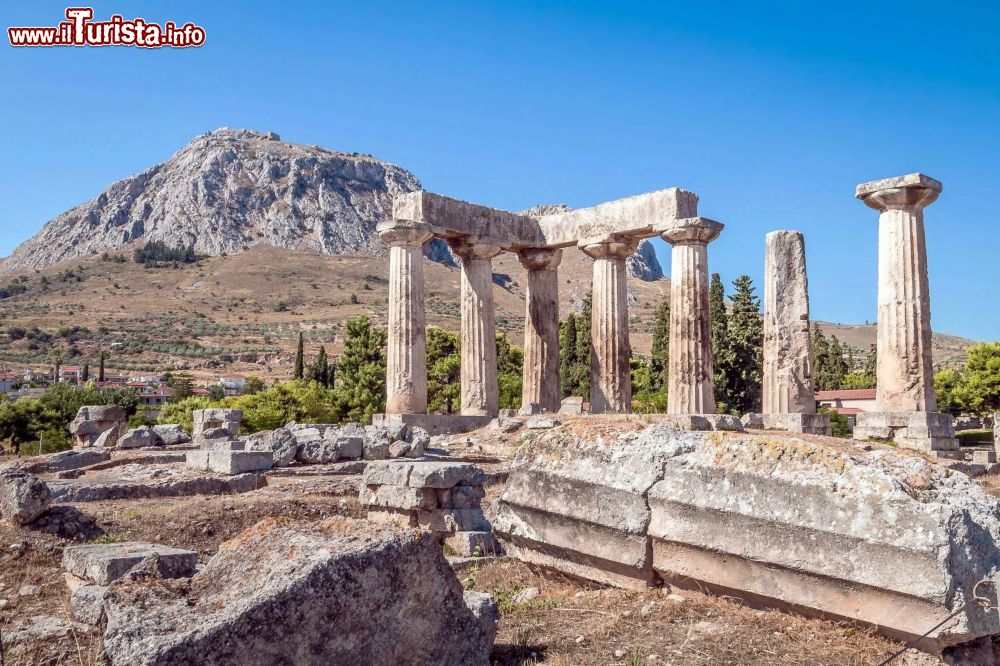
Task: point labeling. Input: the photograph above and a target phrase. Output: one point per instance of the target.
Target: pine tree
(510, 372)
(745, 342)
(444, 371)
(361, 372)
(660, 352)
(183, 386)
(299, 370)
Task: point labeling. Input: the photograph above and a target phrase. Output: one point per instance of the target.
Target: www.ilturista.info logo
(80, 30)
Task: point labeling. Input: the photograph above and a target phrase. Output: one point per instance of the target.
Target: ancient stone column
(610, 379)
(480, 392)
(787, 381)
(406, 350)
(540, 385)
(905, 375)
(689, 383)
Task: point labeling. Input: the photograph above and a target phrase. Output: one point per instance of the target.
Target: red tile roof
(846, 394)
(847, 411)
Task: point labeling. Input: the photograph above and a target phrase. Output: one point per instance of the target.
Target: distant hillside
(225, 192)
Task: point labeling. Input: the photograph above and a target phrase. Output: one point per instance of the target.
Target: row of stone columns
(690, 383)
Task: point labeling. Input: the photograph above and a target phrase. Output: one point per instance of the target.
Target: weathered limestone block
(787, 378)
(809, 423)
(610, 375)
(215, 424)
(579, 505)
(92, 421)
(406, 350)
(905, 370)
(23, 496)
(702, 422)
(227, 461)
(140, 437)
(394, 497)
(296, 593)
(105, 563)
(884, 538)
(172, 434)
(87, 603)
(68, 460)
(921, 431)
(689, 380)
(280, 442)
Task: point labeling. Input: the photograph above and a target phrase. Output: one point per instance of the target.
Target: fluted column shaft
(406, 349)
(689, 382)
(905, 372)
(787, 381)
(540, 383)
(610, 350)
(480, 391)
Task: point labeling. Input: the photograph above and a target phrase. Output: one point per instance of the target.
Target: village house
(8, 380)
(232, 384)
(849, 402)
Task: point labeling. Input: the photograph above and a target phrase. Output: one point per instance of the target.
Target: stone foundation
(882, 537)
(921, 431)
(439, 497)
(435, 424)
(811, 424)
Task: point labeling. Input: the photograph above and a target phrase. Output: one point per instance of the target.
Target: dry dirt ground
(568, 622)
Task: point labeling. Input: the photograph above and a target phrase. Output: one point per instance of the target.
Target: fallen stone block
(387, 473)
(305, 594)
(223, 461)
(87, 603)
(23, 496)
(92, 421)
(541, 423)
(280, 442)
(809, 423)
(172, 434)
(703, 422)
(579, 505)
(882, 537)
(71, 491)
(105, 563)
(65, 461)
(486, 610)
(137, 438)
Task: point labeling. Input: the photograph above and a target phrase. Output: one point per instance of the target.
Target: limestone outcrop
(296, 593)
(225, 191)
(882, 537)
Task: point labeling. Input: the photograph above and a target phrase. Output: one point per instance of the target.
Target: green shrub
(974, 437)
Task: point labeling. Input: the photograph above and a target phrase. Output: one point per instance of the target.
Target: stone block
(573, 405)
(703, 422)
(239, 462)
(105, 563)
(172, 434)
(984, 457)
(394, 497)
(428, 474)
(308, 594)
(387, 473)
(87, 603)
(921, 431)
(23, 496)
(397, 517)
(809, 423)
(453, 520)
(140, 437)
(467, 497)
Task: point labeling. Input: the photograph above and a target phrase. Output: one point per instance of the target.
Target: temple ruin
(609, 233)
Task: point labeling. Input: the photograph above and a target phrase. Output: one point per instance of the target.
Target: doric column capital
(691, 231)
(910, 192)
(609, 247)
(404, 232)
(469, 248)
(539, 258)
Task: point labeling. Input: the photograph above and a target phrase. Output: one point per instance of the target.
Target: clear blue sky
(771, 112)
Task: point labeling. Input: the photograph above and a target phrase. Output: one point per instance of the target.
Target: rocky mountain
(225, 192)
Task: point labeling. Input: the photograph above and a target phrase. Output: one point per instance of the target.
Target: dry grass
(572, 623)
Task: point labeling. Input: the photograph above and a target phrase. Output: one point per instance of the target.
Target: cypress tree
(85, 377)
(721, 356)
(745, 342)
(320, 371)
(100, 368)
(299, 370)
(567, 354)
